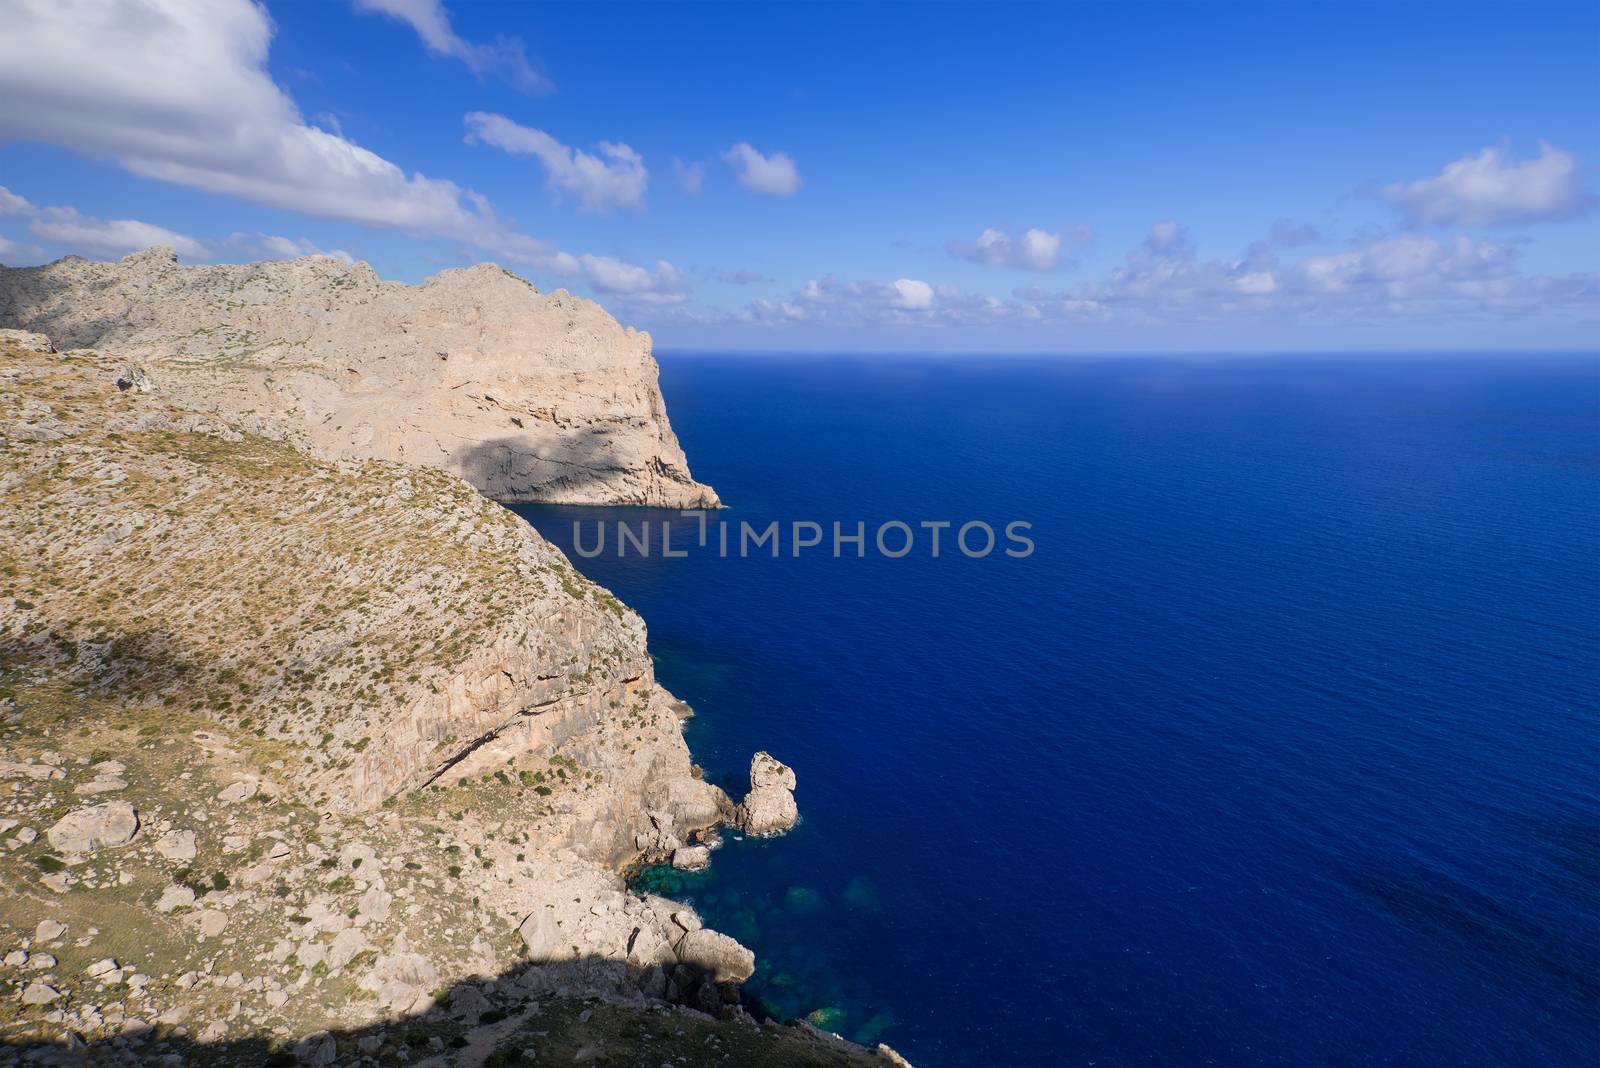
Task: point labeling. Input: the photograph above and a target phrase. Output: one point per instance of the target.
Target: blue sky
(1106, 177)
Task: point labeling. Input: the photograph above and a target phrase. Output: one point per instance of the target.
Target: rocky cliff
(528, 396)
(327, 760)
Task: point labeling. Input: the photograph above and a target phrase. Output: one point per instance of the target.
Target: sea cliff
(324, 757)
(528, 396)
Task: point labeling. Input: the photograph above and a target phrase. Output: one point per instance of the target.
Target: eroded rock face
(768, 811)
(374, 642)
(766, 770)
(529, 396)
(769, 808)
(99, 827)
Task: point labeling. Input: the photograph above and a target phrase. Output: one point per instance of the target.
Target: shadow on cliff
(26, 293)
(530, 1014)
(583, 466)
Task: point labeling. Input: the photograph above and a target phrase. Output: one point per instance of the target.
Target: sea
(1279, 744)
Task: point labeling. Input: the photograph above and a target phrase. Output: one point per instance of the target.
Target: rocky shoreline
(329, 760)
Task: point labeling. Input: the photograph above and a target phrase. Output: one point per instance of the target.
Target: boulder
(318, 1048)
(691, 858)
(99, 827)
(346, 944)
(211, 923)
(39, 992)
(716, 954)
(178, 846)
(175, 897)
(243, 790)
(542, 935)
(136, 378)
(48, 931)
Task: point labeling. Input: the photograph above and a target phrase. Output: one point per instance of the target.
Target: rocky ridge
(528, 396)
(326, 761)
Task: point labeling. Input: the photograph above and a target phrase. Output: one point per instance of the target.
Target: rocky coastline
(319, 756)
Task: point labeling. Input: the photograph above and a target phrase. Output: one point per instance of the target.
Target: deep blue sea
(1281, 748)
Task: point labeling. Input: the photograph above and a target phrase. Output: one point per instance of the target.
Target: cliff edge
(528, 396)
(313, 761)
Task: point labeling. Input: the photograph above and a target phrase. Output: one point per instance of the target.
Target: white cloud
(902, 302)
(1487, 188)
(11, 204)
(68, 228)
(188, 100)
(1403, 275)
(634, 283)
(1032, 249)
(599, 185)
(274, 247)
(773, 176)
(1407, 275)
(15, 254)
(912, 295)
(691, 176)
(507, 57)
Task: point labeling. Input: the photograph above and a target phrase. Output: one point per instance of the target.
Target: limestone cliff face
(411, 744)
(386, 627)
(529, 396)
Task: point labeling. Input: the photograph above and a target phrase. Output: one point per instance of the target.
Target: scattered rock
(48, 931)
(242, 790)
(39, 992)
(346, 944)
(13, 770)
(211, 923)
(88, 829)
(136, 378)
(177, 846)
(175, 897)
(318, 1048)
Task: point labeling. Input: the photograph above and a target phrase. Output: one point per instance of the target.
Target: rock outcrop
(529, 396)
(769, 808)
(367, 739)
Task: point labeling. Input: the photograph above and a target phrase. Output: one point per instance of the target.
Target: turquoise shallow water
(1280, 749)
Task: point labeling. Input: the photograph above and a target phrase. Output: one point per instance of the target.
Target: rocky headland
(528, 396)
(316, 755)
